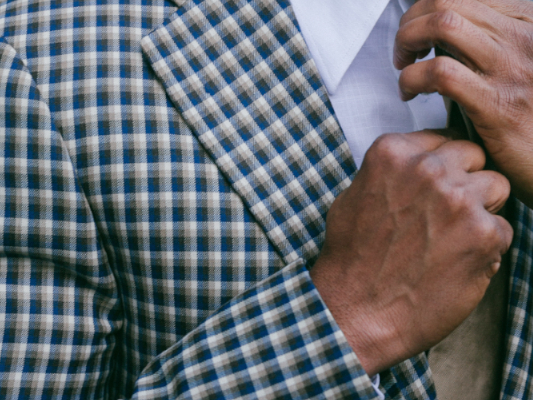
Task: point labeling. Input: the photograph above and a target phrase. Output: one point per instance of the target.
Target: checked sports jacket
(165, 172)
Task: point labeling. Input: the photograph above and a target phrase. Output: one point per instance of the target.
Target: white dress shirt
(351, 42)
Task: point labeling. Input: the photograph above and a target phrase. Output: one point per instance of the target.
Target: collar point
(331, 84)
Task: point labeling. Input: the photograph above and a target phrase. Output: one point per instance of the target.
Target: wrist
(367, 329)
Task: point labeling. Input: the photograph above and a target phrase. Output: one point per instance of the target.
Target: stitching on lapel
(242, 77)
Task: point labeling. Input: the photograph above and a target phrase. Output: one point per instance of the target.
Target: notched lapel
(242, 77)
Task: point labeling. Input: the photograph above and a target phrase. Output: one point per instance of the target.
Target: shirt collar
(335, 31)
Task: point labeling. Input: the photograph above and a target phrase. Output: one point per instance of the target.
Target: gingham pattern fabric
(58, 297)
(173, 240)
(241, 76)
(160, 199)
(271, 361)
(518, 369)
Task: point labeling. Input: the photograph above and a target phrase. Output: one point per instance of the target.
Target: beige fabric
(468, 363)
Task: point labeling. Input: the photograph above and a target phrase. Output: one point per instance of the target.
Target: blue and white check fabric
(166, 168)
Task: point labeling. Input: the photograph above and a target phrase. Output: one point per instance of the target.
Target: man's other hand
(493, 79)
(411, 245)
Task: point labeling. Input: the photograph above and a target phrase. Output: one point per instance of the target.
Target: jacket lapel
(242, 77)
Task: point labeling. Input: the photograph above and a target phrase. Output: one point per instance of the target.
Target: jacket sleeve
(58, 303)
(275, 341)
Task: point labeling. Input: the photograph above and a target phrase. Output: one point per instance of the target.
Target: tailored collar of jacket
(166, 172)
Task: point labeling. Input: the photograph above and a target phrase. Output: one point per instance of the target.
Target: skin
(411, 245)
(492, 76)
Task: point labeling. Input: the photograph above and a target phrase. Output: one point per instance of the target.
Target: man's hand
(493, 40)
(411, 245)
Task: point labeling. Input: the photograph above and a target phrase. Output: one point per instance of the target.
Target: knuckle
(519, 104)
(487, 234)
(457, 200)
(453, 200)
(430, 167)
(513, 103)
(446, 21)
(404, 19)
(387, 147)
(441, 5)
(442, 71)
(522, 34)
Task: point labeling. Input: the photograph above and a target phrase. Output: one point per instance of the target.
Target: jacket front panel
(206, 155)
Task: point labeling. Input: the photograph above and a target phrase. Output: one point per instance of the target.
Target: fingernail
(404, 96)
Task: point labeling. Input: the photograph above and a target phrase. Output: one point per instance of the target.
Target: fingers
(491, 187)
(516, 9)
(467, 155)
(450, 30)
(484, 13)
(426, 140)
(449, 78)
(497, 237)
(494, 235)
(504, 232)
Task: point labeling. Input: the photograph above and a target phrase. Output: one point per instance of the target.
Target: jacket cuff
(276, 340)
